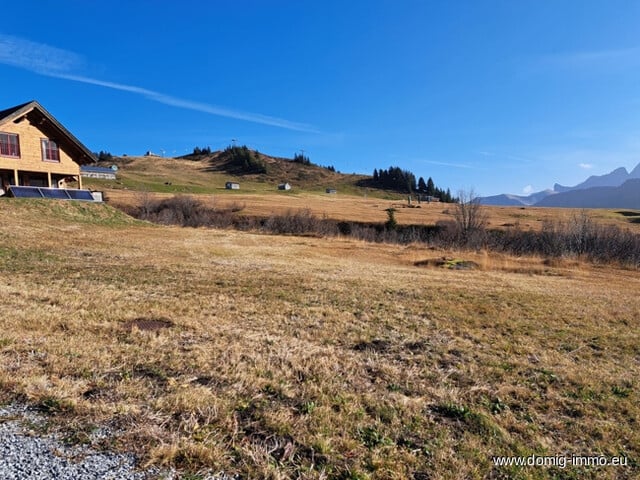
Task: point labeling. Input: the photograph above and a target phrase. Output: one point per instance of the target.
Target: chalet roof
(9, 111)
(37, 112)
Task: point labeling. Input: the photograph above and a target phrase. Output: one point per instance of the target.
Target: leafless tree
(470, 218)
(145, 203)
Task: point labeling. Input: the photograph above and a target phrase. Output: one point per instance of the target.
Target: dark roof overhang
(39, 116)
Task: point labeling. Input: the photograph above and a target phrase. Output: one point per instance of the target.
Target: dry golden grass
(360, 209)
(209, 175)
(260, 197)
(289, 357)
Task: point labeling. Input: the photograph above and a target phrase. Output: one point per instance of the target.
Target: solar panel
(25, 192)
(55, 193)
(80, 195)
(58, 193)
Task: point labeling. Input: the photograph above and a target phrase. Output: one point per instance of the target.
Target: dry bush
(580, 236)
(301, 222)
(470, 219)
(184, 210)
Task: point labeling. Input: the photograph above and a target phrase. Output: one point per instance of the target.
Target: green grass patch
(57, 212)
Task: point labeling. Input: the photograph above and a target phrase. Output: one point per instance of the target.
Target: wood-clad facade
(36, 150)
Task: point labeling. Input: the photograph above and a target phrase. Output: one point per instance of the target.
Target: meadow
(142, 178)
(283, 357)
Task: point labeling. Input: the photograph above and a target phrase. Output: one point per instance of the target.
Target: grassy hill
(205, 176)
(209, 173)
(283, 357)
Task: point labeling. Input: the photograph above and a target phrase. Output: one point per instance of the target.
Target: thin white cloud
(447, 164)
(586, 166)
(37, 57)
(528, 190)
(55, 62)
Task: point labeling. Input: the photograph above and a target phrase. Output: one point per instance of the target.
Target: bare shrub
(145, 202)
(364, 232)
(183, 210)
(470, 219)
(446, 234)
(299, 222)
(579, 236)
(551, 241)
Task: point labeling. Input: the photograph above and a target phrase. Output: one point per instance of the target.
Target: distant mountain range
(617, 189)
(507, 199)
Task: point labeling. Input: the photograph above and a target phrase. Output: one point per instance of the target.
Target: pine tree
(104, 157)
(431, 187)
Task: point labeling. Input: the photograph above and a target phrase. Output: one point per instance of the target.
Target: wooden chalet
(37, 151)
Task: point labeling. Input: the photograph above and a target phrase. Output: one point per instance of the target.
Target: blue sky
(498, 96)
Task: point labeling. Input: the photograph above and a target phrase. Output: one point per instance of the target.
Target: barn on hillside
(105, 173)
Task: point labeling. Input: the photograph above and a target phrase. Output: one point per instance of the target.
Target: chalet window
(50, 152)
(9, 145)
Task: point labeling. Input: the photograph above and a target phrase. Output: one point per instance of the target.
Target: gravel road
(25, 455)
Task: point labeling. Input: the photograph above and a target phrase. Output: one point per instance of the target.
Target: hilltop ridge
(208, 173)
(251, 164)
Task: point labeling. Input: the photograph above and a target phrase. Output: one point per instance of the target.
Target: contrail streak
(57, 63)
